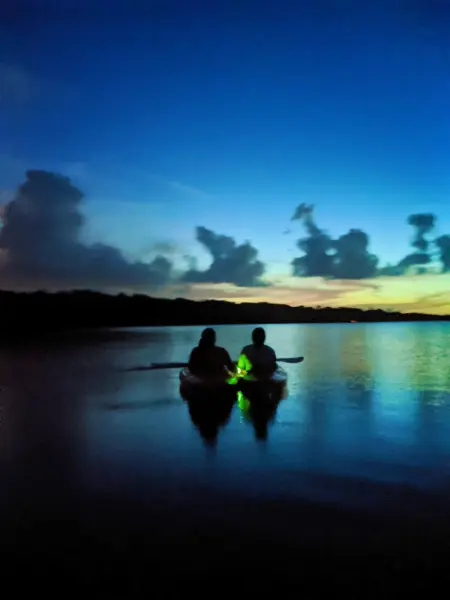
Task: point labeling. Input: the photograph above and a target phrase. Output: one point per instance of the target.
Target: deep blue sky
(205, 113)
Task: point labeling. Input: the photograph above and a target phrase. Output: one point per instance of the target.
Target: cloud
(443, 243)
(317, 260)
(415, 258)
(424, 224)
(231, 263)
(353, 259)
(40, 236)
(347, 257)
(305, 212)
(163, 247)
(391, 270)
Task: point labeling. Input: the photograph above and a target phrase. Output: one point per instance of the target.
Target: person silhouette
(209, 360)
(257, 358)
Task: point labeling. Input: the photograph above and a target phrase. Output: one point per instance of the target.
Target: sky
(225, 149)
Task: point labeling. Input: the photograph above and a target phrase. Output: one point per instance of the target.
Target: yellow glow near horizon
(409, 293)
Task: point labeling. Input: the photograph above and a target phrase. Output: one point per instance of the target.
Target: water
(365, 426)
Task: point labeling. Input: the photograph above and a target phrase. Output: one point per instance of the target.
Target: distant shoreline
(42, 312)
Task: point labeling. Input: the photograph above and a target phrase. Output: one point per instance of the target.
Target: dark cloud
(424, 224)
(391, 270)
(41, 236)
(231, 263)
(345, 258)
(415, 258)
(164, 247)
(317, 260)
(353, 259)
(443, 243)
(304, 212)
(348, 257)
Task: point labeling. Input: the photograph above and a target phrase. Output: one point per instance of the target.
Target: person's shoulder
(193, 356)
(270, 349)
(222, 350)
(248, 350)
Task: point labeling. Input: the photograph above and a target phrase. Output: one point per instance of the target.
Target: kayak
(275, 384)
(278, 378)
(190, 380)
(191, 385)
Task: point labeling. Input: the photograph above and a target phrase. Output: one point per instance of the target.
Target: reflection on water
(209, 411)
(40, 431)
(368, 408)
(210, 417)
(259, 415)
(261, 410)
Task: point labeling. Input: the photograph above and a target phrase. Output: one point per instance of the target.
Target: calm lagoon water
(367, 417)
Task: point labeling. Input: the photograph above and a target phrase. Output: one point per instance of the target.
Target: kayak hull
(254, 388)
(277, 379)
(193, 387)
(264, 388)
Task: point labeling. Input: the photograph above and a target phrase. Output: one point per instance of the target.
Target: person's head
(208, 338)
(258, 336)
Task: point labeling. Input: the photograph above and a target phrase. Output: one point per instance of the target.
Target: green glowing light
(243, 402)
(244, 365)
(242, 368)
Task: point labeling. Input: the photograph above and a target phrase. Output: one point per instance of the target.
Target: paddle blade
(156, 366)
(292, 361)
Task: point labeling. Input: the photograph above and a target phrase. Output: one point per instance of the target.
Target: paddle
(180, 365)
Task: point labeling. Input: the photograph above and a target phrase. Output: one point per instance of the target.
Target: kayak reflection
(260, 407)
(211, 400)
(209, 410)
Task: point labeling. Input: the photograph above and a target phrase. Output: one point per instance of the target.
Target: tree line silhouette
(43, 311)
